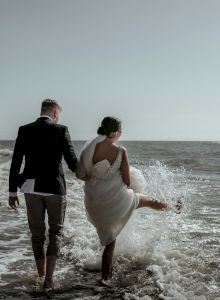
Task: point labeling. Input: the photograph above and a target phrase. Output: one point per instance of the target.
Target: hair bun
(109, 125)
(101, 130)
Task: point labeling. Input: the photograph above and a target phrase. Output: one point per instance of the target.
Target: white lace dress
(109, 203)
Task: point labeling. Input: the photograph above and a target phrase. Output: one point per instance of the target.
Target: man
(43, 143)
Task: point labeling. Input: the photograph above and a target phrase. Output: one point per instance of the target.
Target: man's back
(43, 143)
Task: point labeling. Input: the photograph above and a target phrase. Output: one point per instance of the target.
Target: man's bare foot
(38, 285)
(48, 284)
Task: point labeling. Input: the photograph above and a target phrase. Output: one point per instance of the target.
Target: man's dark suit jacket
(43, 144)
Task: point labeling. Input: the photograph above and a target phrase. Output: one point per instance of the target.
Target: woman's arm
(125, 168)
(80, 170)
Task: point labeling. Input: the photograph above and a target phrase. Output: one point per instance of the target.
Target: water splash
(168, 184)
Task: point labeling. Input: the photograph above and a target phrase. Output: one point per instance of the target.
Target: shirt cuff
(13, 194)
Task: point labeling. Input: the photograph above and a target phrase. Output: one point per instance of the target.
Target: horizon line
(138, 140)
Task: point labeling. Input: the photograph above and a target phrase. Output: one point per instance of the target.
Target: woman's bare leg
(146, 201)
(107, 258)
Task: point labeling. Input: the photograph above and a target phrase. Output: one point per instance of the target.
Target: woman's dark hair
(108, 125)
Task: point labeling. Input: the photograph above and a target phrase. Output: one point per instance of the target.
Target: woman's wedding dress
(108, 202)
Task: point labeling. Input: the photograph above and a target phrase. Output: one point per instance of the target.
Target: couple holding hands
(104, 167)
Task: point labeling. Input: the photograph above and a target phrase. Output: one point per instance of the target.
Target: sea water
(158, 255)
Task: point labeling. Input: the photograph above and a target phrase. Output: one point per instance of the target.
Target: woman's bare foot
(178, 206)
(106, 282)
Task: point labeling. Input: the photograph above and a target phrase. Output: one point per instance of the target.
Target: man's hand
(13, 202)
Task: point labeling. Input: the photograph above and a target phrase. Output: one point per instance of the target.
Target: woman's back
(104, 151)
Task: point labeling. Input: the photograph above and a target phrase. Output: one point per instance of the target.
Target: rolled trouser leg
(38, 246)
(36, 221)
(56, 207)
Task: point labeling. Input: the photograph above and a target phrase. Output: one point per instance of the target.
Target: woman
(109, 202)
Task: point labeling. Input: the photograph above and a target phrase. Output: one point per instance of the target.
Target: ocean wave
(5, 152)
(156, 256)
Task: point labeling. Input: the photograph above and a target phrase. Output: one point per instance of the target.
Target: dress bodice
(100, 168)
(103, 169)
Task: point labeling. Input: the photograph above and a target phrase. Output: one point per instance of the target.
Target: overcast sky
(155, 64)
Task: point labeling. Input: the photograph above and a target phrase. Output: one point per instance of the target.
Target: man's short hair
(49, 105)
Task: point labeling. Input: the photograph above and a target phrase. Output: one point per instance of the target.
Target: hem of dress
(115, 236)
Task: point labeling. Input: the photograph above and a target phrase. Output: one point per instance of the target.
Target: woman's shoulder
(122, 148)
(123, 151)
(119, 148)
